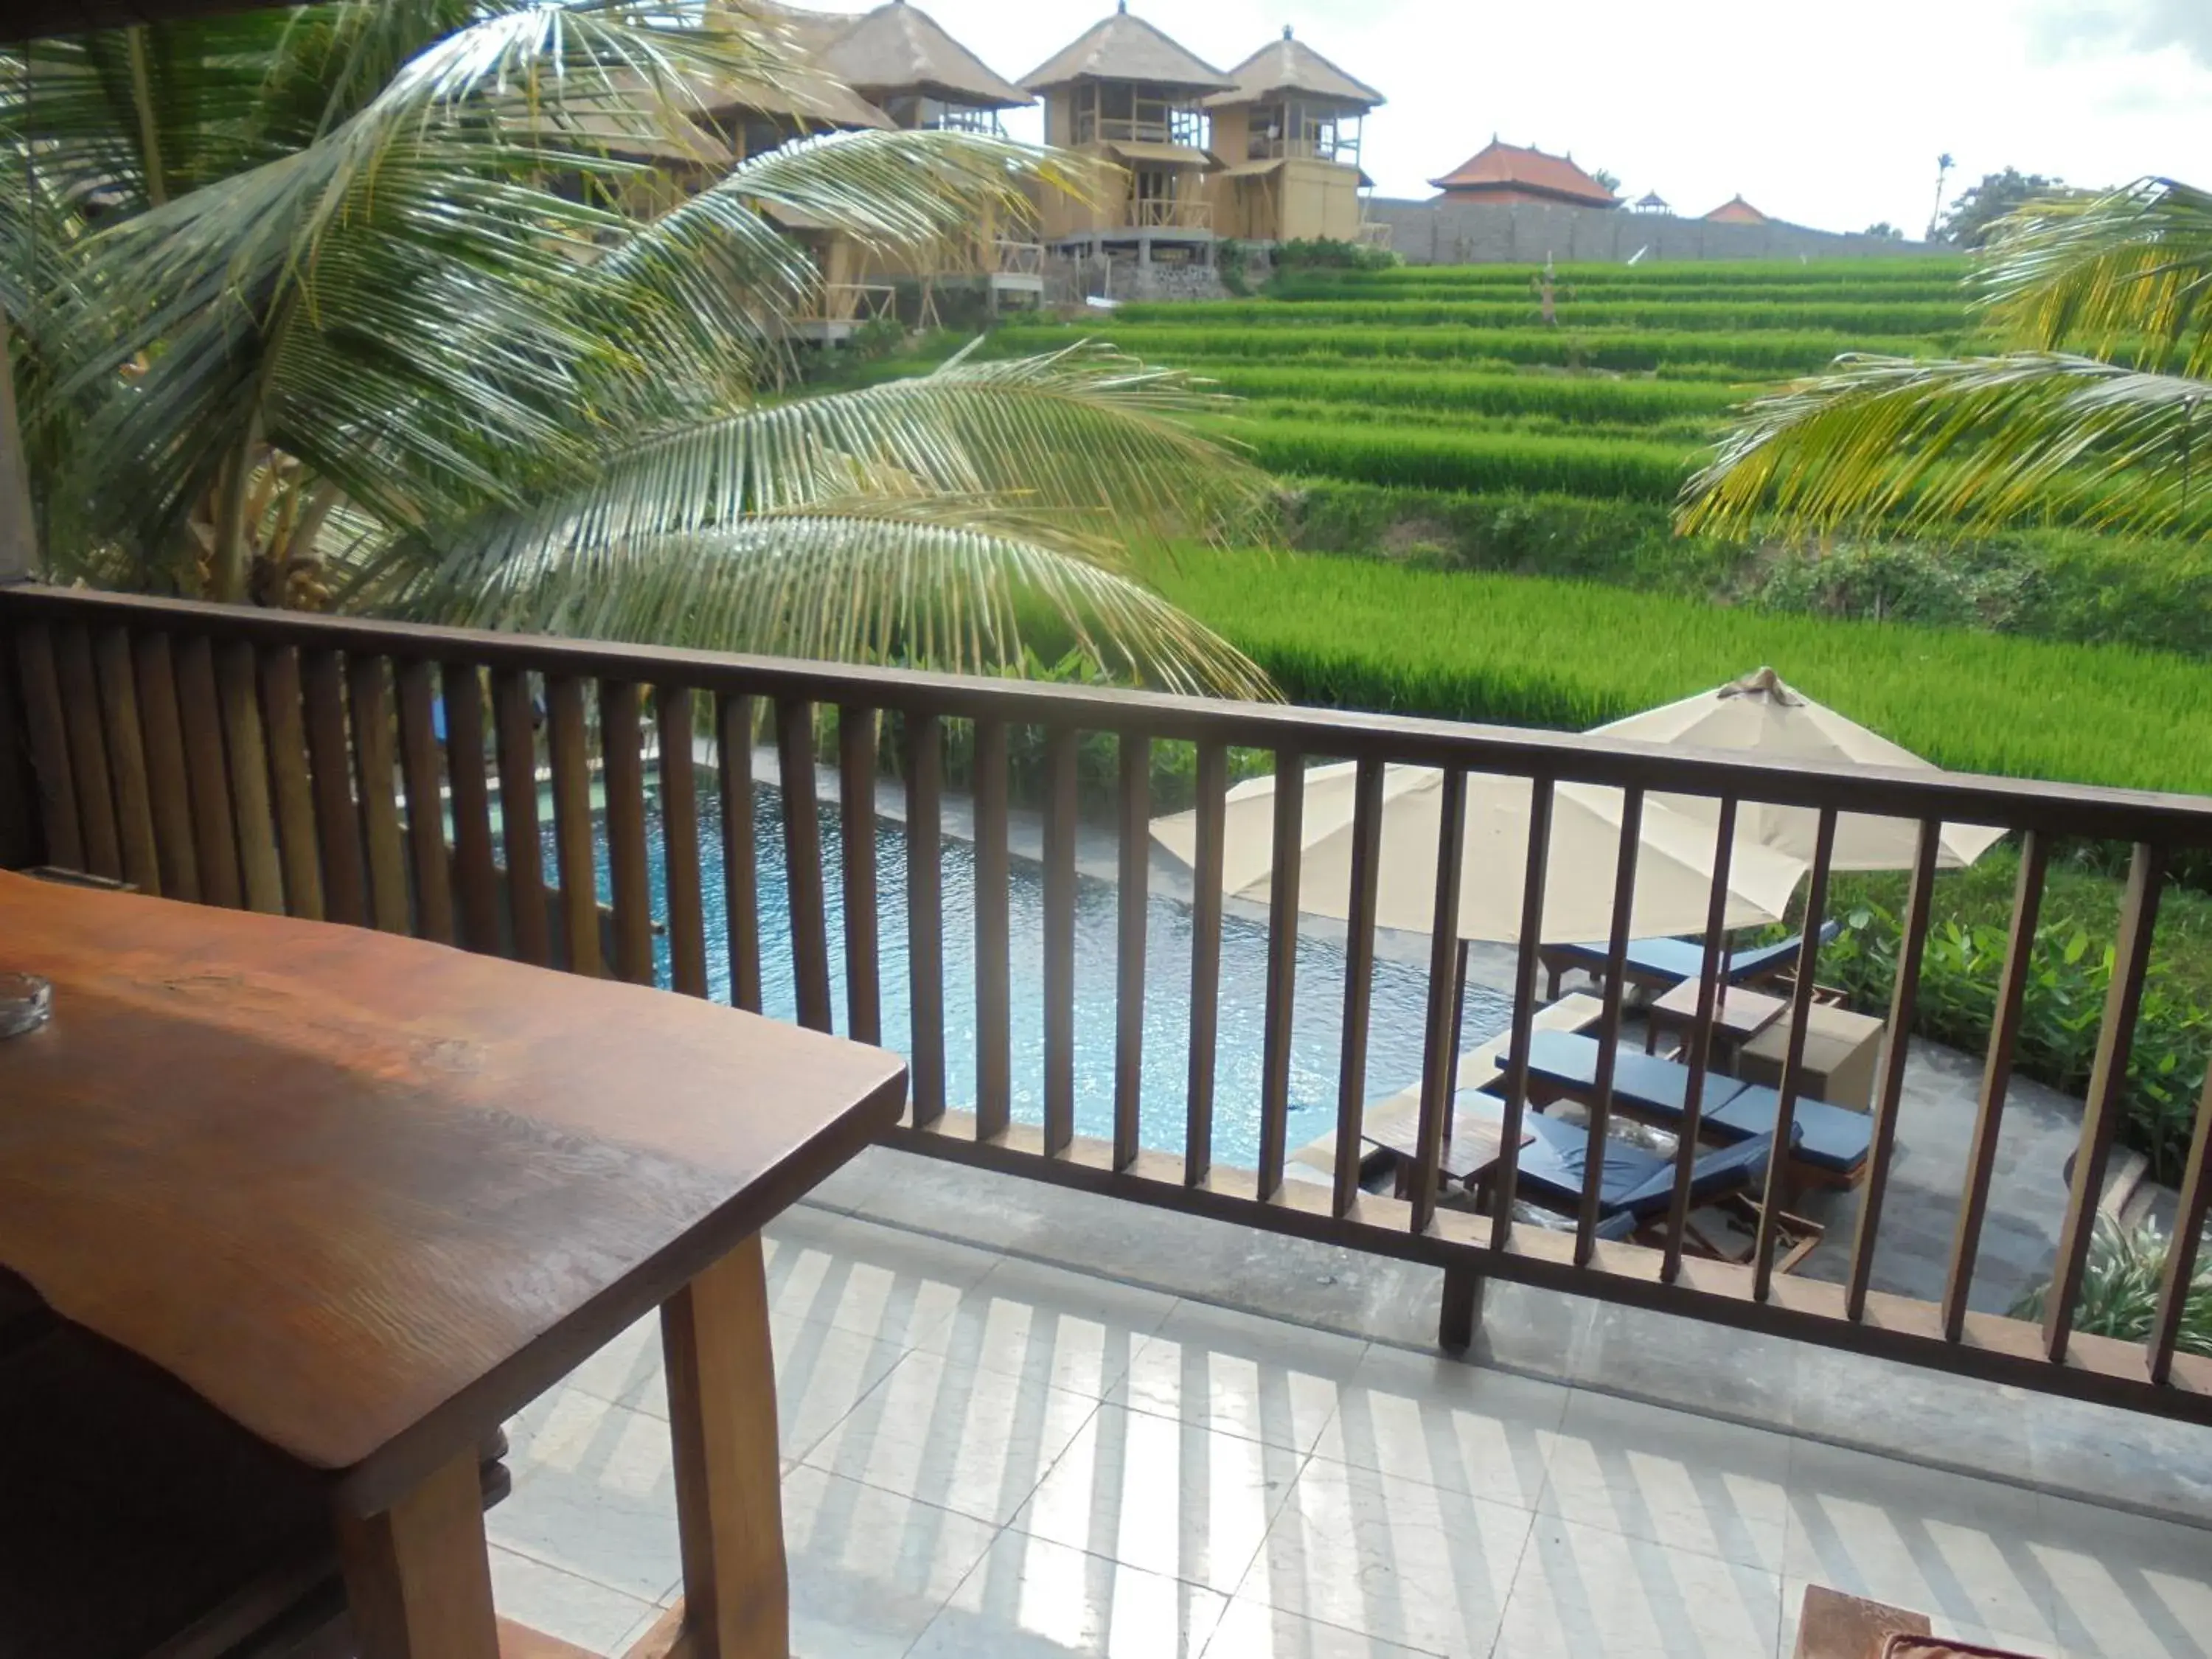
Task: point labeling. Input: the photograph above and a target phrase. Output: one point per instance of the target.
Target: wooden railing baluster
(2106, 1103)
(421, 769)
(856, 831)
(924, 913)
(1896, 1046)
(1212, 789)
(1526, 967)
(1997, 1079)
(734, 753)
(49, 740)
(1433, 1130)
(993, 969)
(476, 869)
(337, 820)
(126, 759)
(175, 847)
(1059, 811)
(1701, 1039)
(2184, 1242)
(567, 749)
(237, 677)
(376, 770)
(1608, 1037)
(1133, 898)
(1282, 961)
(1793, 1062)
(214, 835)
(292, 793)
(1359, 982)
(87, 750)
(622, 768)
(802, 858)
(677, 720)
(515, 720)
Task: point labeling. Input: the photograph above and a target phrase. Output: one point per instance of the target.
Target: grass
(1924, 317)
(1517, 650)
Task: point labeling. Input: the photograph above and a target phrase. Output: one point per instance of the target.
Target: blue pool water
(1400, 990)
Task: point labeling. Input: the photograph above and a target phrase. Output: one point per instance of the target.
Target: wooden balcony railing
(1170, 212)
(849, 302)
(282, 763)
(1008, 259)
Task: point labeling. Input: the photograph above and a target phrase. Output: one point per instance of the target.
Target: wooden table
(1739, 1016)
(1470, 1153)
(369, 1196)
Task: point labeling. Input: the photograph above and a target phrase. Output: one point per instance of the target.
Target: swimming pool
(1397, 1020)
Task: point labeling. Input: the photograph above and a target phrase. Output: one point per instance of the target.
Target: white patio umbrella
(1760, 714)
(1674, 863)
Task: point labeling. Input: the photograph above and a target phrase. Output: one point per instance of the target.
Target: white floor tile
(562, 1604)
(1406, 1562)
(1167, 1495)
(1031, 1598)
(1950, 1547)
(1463, 1427)
(892, 1286)
(975, 1441)
(1242, 1374)
(1251, 1630)
(1584, 1590)
(2125, 1586)
(1672, 1478)
(596, 1497)
(1033, 1320)
(869, 1569)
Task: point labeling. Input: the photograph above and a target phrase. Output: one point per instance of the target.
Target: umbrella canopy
(1674, 865)
(1760, 714)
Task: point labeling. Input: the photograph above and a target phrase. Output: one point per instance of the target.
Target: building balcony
(1169, 213)
(1126, 1338)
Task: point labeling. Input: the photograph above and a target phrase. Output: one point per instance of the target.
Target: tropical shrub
(1304, 253)
(2120, 1286)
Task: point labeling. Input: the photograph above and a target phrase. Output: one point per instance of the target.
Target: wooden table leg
(417, 1577)
(729, 1500)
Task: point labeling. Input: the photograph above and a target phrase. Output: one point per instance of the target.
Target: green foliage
(1231, 259)
(1302, 253)
(1860, 273)
(1360, 634)
(2121, 1286)
(1919, 317)
(1448, 459)
(2062, 1012)
(1976, 209)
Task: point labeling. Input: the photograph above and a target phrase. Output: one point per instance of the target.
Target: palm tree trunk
(232, 555)
(149, 132)
(19, 532)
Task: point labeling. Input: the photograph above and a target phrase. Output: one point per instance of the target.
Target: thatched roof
(1291, 65)
(1125, 48)
(900, 48)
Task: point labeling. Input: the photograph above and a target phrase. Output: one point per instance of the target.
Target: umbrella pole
(1458, 1020)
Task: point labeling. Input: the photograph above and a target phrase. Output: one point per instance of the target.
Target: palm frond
(2128, 275)
(1902, 444)
(1084, 435)
(931, 583)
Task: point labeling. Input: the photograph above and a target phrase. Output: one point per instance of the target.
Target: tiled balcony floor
(987, 1456)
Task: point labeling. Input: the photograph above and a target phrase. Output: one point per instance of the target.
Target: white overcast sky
(1824, 113)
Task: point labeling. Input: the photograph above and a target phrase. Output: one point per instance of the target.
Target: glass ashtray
(27, 1002)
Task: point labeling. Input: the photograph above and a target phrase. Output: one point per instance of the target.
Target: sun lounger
(1661, 964)
(1829, 1146)
(1635, 1183)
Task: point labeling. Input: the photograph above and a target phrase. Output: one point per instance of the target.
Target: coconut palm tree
(388, 304)
(2095, 419)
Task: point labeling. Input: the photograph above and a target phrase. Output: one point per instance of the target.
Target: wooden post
(729, 1503)
(418, 1579)
(19, 532)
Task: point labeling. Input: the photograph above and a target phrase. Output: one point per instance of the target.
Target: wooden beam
(418, 1579)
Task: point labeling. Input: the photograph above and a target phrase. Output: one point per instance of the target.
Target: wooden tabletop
(369, 1196)
(1477, 1142)
(1740, 1016)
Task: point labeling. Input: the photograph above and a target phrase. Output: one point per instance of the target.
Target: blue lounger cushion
(1633, 1183)
(1657, 1088)
(1825, 1136)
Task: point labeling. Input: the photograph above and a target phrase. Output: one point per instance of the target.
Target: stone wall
(1526, 233)
(1119, 277)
